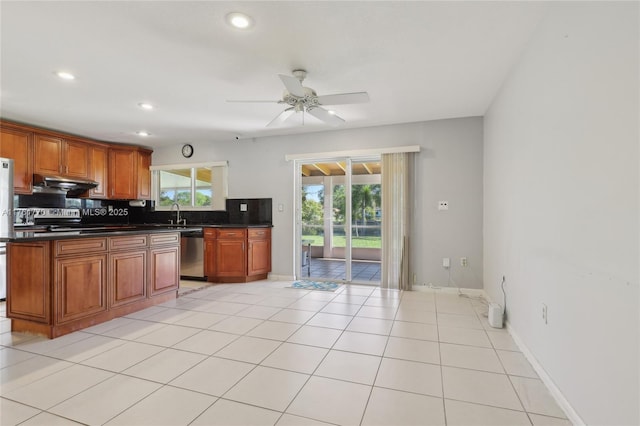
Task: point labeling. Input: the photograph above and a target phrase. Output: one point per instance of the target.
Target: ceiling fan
(304, 99)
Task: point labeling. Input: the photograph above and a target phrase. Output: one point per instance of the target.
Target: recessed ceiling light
(239, 20)
(65, 75)
(146, 105)
(143, 133)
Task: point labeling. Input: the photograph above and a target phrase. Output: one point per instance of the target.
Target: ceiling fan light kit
(304, 99)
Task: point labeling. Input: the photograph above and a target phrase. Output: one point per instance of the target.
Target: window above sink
(192, 186)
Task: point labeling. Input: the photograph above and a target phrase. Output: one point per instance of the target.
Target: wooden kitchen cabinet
(128, 274)
(129, 175)
(99, 170)
(60, 286)
(210, 235)
(122, 171)
(80, 286)
(259, 254)
(79, 278)
(164, 263)
(128, 269)
(237, 254)
(29, 266)
(143, 174)
(231, 258)
(17, 144)
(58, 156)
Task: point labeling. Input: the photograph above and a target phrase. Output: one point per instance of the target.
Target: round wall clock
(187, 150)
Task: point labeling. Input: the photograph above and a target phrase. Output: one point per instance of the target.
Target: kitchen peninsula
(60, 282)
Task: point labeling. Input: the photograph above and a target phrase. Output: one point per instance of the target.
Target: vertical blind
(397, 202)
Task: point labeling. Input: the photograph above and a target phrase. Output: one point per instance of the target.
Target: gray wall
(561, 205)
(449, 167)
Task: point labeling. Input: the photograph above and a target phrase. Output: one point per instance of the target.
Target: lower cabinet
(80, 287)
(237, 254)
(259, 252)
(231, 258)
(56, 287)
(28, 269)
(128, 273)
(164, 269)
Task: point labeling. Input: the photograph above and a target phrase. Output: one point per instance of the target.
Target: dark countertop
(30, 235)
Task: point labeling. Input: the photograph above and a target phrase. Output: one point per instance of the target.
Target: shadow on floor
(361, 271)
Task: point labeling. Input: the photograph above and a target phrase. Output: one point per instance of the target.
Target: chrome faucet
(177, 213)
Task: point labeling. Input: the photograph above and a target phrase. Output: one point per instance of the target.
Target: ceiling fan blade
(252, 101)
(344, 98)
(326, 116)
(293, 85)
(282, 117)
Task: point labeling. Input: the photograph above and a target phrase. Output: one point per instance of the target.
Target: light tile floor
(264, 354)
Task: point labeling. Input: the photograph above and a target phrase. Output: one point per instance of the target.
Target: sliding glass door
(338, 220)
(366, 220)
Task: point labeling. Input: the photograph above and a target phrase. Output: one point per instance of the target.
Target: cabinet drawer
(232, 233)
(259, 233)
(85, 245)
(161, 239)
(209, 232)
(128, 242)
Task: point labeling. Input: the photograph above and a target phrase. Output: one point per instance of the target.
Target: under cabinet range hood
(61, 185)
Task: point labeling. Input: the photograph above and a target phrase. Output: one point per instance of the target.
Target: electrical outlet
(544, 313)
(463, 261)
(443, 205)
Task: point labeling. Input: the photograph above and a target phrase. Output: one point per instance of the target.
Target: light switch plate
(243, 207)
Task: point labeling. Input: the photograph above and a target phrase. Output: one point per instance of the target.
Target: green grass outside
(340, 241)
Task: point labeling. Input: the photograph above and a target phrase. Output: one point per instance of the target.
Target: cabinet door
(164, 270)
(75, 159)
(98, 166)
(18, 145)
(210, 257)
(144, 175)
(28, 281)
(259, 257)
(231, 260)
(128, 277)
(122, 173)
(47, 155)
(80, 287)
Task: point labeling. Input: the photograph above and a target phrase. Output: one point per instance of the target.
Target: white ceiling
(417, 60)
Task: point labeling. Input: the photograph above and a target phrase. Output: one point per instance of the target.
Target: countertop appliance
(192, 255)
(6, 217)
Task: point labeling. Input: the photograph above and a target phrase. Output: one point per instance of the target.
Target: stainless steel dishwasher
(192, 254)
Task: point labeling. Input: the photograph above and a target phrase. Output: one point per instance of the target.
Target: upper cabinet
(122, 171)
(17, 144)
(144, 174)
(57, 156)
(99, 170)
(129, 175)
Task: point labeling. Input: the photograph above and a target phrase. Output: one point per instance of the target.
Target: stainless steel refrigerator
(6, 217)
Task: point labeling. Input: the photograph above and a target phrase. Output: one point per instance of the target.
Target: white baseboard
(572, 415)
(273, 277)
(474, 292)
(557, 395)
